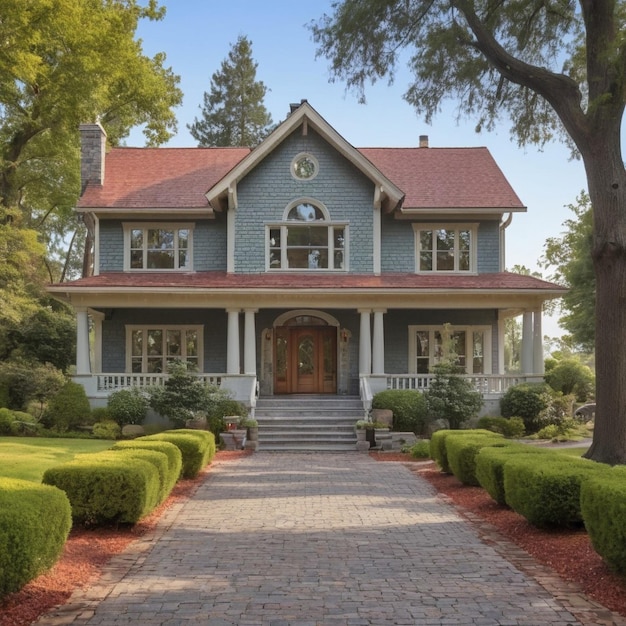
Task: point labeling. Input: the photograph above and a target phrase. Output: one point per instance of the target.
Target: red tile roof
(504, 281)
(153, 178)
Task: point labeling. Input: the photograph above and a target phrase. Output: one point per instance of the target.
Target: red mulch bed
(569, 553)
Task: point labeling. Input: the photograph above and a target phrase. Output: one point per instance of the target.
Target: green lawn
(28, 458)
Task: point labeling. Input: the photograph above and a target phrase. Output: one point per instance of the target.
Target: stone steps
(304, 422)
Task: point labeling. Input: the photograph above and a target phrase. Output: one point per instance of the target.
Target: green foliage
(196, 446)
(26, 381)
(537, 404)
(408, 406)
(128, 406)
(419, 450)
(510, 427)
(35, 521)
(233, 113)
(547, 494)
(565, 430)
(107, 488)
(68, 409)
(159, 460)
(490, 467)
(603, 505)
(171, 451)
(438, 450)
(570, 258)
(108, 429)
(461, 453)
(452, 397)
(571, 377)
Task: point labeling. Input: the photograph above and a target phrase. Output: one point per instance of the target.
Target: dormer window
(307, 239)
(158, 246)
(445, 248)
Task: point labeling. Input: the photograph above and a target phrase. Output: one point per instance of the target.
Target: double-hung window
(470, 344)
(158, 246)
(150, 349)
(306, 239)
(445, 248)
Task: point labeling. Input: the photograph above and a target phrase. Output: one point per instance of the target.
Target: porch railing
(113, 382)
(487, 384)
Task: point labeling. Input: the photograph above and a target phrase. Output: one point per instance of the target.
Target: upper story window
(304, 166)
(449, 248)
(158, 246)
(306, 240)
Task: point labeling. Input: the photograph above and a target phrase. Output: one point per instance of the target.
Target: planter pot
(361, 434)
(253, 433)
(370, 437)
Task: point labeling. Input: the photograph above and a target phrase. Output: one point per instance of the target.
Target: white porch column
(83, 363)
(378, 349)
(97, 319)
(365, 344)
(249, 347)
(501, 342)
(538, 365)
(527, 343)
(232, 343)
(377, 256)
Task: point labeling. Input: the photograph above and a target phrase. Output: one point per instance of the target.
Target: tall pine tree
(233, 113)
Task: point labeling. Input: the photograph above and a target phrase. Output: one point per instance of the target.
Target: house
(303, 266)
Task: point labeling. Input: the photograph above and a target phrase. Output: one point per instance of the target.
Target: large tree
(569, 257)
(551, 66)
(233, 113)
(63, 62)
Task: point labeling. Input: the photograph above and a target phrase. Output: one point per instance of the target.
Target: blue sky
(196, 36)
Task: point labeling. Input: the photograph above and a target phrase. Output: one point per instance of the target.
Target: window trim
(284, 225)
(145, 226)
(130, 328)
(469, 330)
(298, 157)
(472, 227)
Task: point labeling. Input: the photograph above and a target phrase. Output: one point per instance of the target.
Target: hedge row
(547, 488)
(124, 484)
(35, 521)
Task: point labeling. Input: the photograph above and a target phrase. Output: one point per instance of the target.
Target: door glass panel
(281, 357)
(306, 352)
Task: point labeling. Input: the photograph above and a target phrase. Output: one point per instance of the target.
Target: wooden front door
(305, 360)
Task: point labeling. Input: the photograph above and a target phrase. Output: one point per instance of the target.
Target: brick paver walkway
(322, 539)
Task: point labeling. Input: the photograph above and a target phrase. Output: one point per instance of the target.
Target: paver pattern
(309, 539)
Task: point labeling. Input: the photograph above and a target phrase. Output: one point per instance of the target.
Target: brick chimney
(423, 141)
(93, 139)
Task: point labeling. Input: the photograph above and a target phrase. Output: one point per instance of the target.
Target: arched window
(306, 239)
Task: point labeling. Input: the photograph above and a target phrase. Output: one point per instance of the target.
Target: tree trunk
(607, 190)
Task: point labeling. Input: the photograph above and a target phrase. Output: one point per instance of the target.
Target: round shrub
(603, 505)
(536, 403)
(35, 521)
(107, 430)
(510, 427)
(547, 494)
(128, 406)
(6, 420)
(420, 449)
(68, 409)
(571, 377)
(408, 406)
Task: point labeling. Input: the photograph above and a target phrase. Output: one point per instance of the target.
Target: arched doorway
(305, 354)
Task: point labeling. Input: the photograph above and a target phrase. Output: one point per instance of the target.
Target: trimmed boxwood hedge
(603, 504)
(172, 452)
(35, 521)
(462, 451)
(107, 487)
(438, 444)
(490, 466)
(196, 446)
(547, 493)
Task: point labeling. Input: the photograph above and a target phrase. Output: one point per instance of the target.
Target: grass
(29, 458)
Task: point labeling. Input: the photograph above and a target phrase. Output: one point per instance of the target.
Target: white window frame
(130, 328)
(145, 227)
(473, 256)
(469, 342)
(284, 225)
